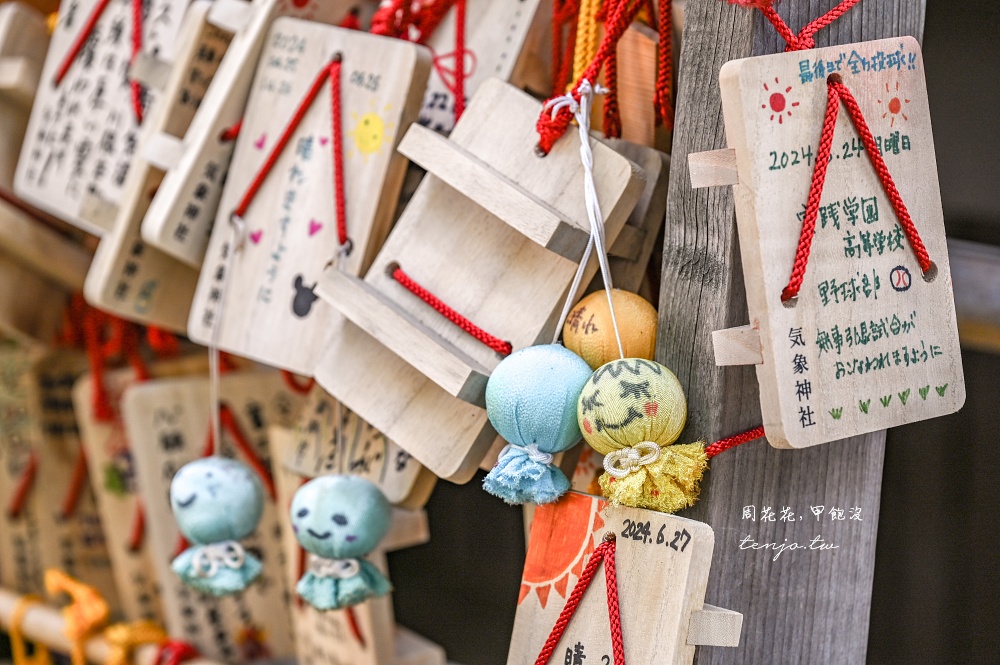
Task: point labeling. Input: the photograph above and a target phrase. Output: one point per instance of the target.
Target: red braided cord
(24, 485)
(352, 20)
(459, 91)
(663, 93)
(136, 48)
(804, 40)
(138, 531)
(391, 19)
(336, 114)
(604, 552)
(733, 441)
(230, 134)
(93, 322)
(292, 382)
(429, 17)
(563, 13)
(80, 41)
(285, 137)
(174, 652)
(551, 127)
(162, 342)
(815, 193)
(354, 625)
(242, 443)
(837, 92)
(77, 482)
(495, 343)
(612, 113)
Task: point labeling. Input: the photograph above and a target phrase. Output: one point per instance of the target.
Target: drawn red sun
(779, 102)
(567, 528)
(894, 107)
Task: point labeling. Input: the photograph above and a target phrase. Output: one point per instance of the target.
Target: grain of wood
(802, 608)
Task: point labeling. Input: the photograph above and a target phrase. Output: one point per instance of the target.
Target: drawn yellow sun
(371, 131)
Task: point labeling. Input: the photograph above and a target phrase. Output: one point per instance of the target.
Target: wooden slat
(494, 191)
(807, 606)
(425, 350)
(975, 275)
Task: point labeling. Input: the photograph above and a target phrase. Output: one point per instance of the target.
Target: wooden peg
(150, 70)
(230, 15)
(444, 363)
(97, 212)
(715, 627)
(19, 79)
(737, 346)
(494, 191)
(714, 168)
(163, 150)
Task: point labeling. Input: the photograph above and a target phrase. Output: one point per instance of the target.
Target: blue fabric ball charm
(338, 520)
(531, 400)
(216, 502)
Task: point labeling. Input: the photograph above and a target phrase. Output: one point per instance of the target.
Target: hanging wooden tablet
(291, 223)
(871, 340)
(495, 37)
(662, 564)
(180, 217)
(167, 423)
(42, 263)
(50, 518)
(365, 634)
(84, 128)
(128, 277)
(113, 477)
(329, 438)
(494, 232)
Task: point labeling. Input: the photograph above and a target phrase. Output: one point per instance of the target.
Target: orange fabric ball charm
(590, 334)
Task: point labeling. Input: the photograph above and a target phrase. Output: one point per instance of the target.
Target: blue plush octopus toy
(338, 520)
(216, 502)
(531, 400)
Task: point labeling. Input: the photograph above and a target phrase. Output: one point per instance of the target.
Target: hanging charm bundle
(216, 502)
(590, 333)
(531, 401)
(338, 520)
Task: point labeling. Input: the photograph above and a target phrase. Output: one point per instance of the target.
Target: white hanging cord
(237, 238)
(581, 111)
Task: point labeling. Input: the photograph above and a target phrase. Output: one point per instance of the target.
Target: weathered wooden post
(799, 606)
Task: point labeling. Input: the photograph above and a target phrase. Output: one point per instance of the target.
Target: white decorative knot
(620, 463)
(531, 450)
(210, 558)
(561, 102)
(341, 569)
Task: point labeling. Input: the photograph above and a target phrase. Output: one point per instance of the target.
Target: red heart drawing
(323, 140)
(260, 142)
(255, 236)
(651, 409)
(314, 227)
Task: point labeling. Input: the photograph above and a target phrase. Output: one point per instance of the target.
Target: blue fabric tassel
(332, 593)
(225, 581)
(518, 479)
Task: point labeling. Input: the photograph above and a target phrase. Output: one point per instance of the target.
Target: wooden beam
(975, 274)
(806, 606)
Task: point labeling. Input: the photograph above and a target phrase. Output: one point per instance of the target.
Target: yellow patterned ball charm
(632, 411)
(590, 334)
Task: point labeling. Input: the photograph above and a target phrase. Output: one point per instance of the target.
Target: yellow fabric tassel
(587, 38)
(124, 638)
(19, 649)
(85, 615)
(668, 484)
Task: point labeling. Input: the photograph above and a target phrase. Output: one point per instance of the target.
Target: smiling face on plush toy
(630, 401)
(216, 499)
(340, 517)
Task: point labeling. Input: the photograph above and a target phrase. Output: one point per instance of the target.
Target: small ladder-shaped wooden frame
(496, 232)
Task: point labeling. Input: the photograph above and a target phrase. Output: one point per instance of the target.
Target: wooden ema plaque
(351, 446)
(56, 523)
(179, 219)
(130, 278)
(663, 563)
(365, 634)
(870, 344)
(83, 133)
(495, 232)
(111, 466)
(291, 226)
(495, 42)
(167, 423)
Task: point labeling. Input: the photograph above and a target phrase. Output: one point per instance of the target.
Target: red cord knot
(801, 43)
(553, 122)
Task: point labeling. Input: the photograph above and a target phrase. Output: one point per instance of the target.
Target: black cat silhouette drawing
(304, 298)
